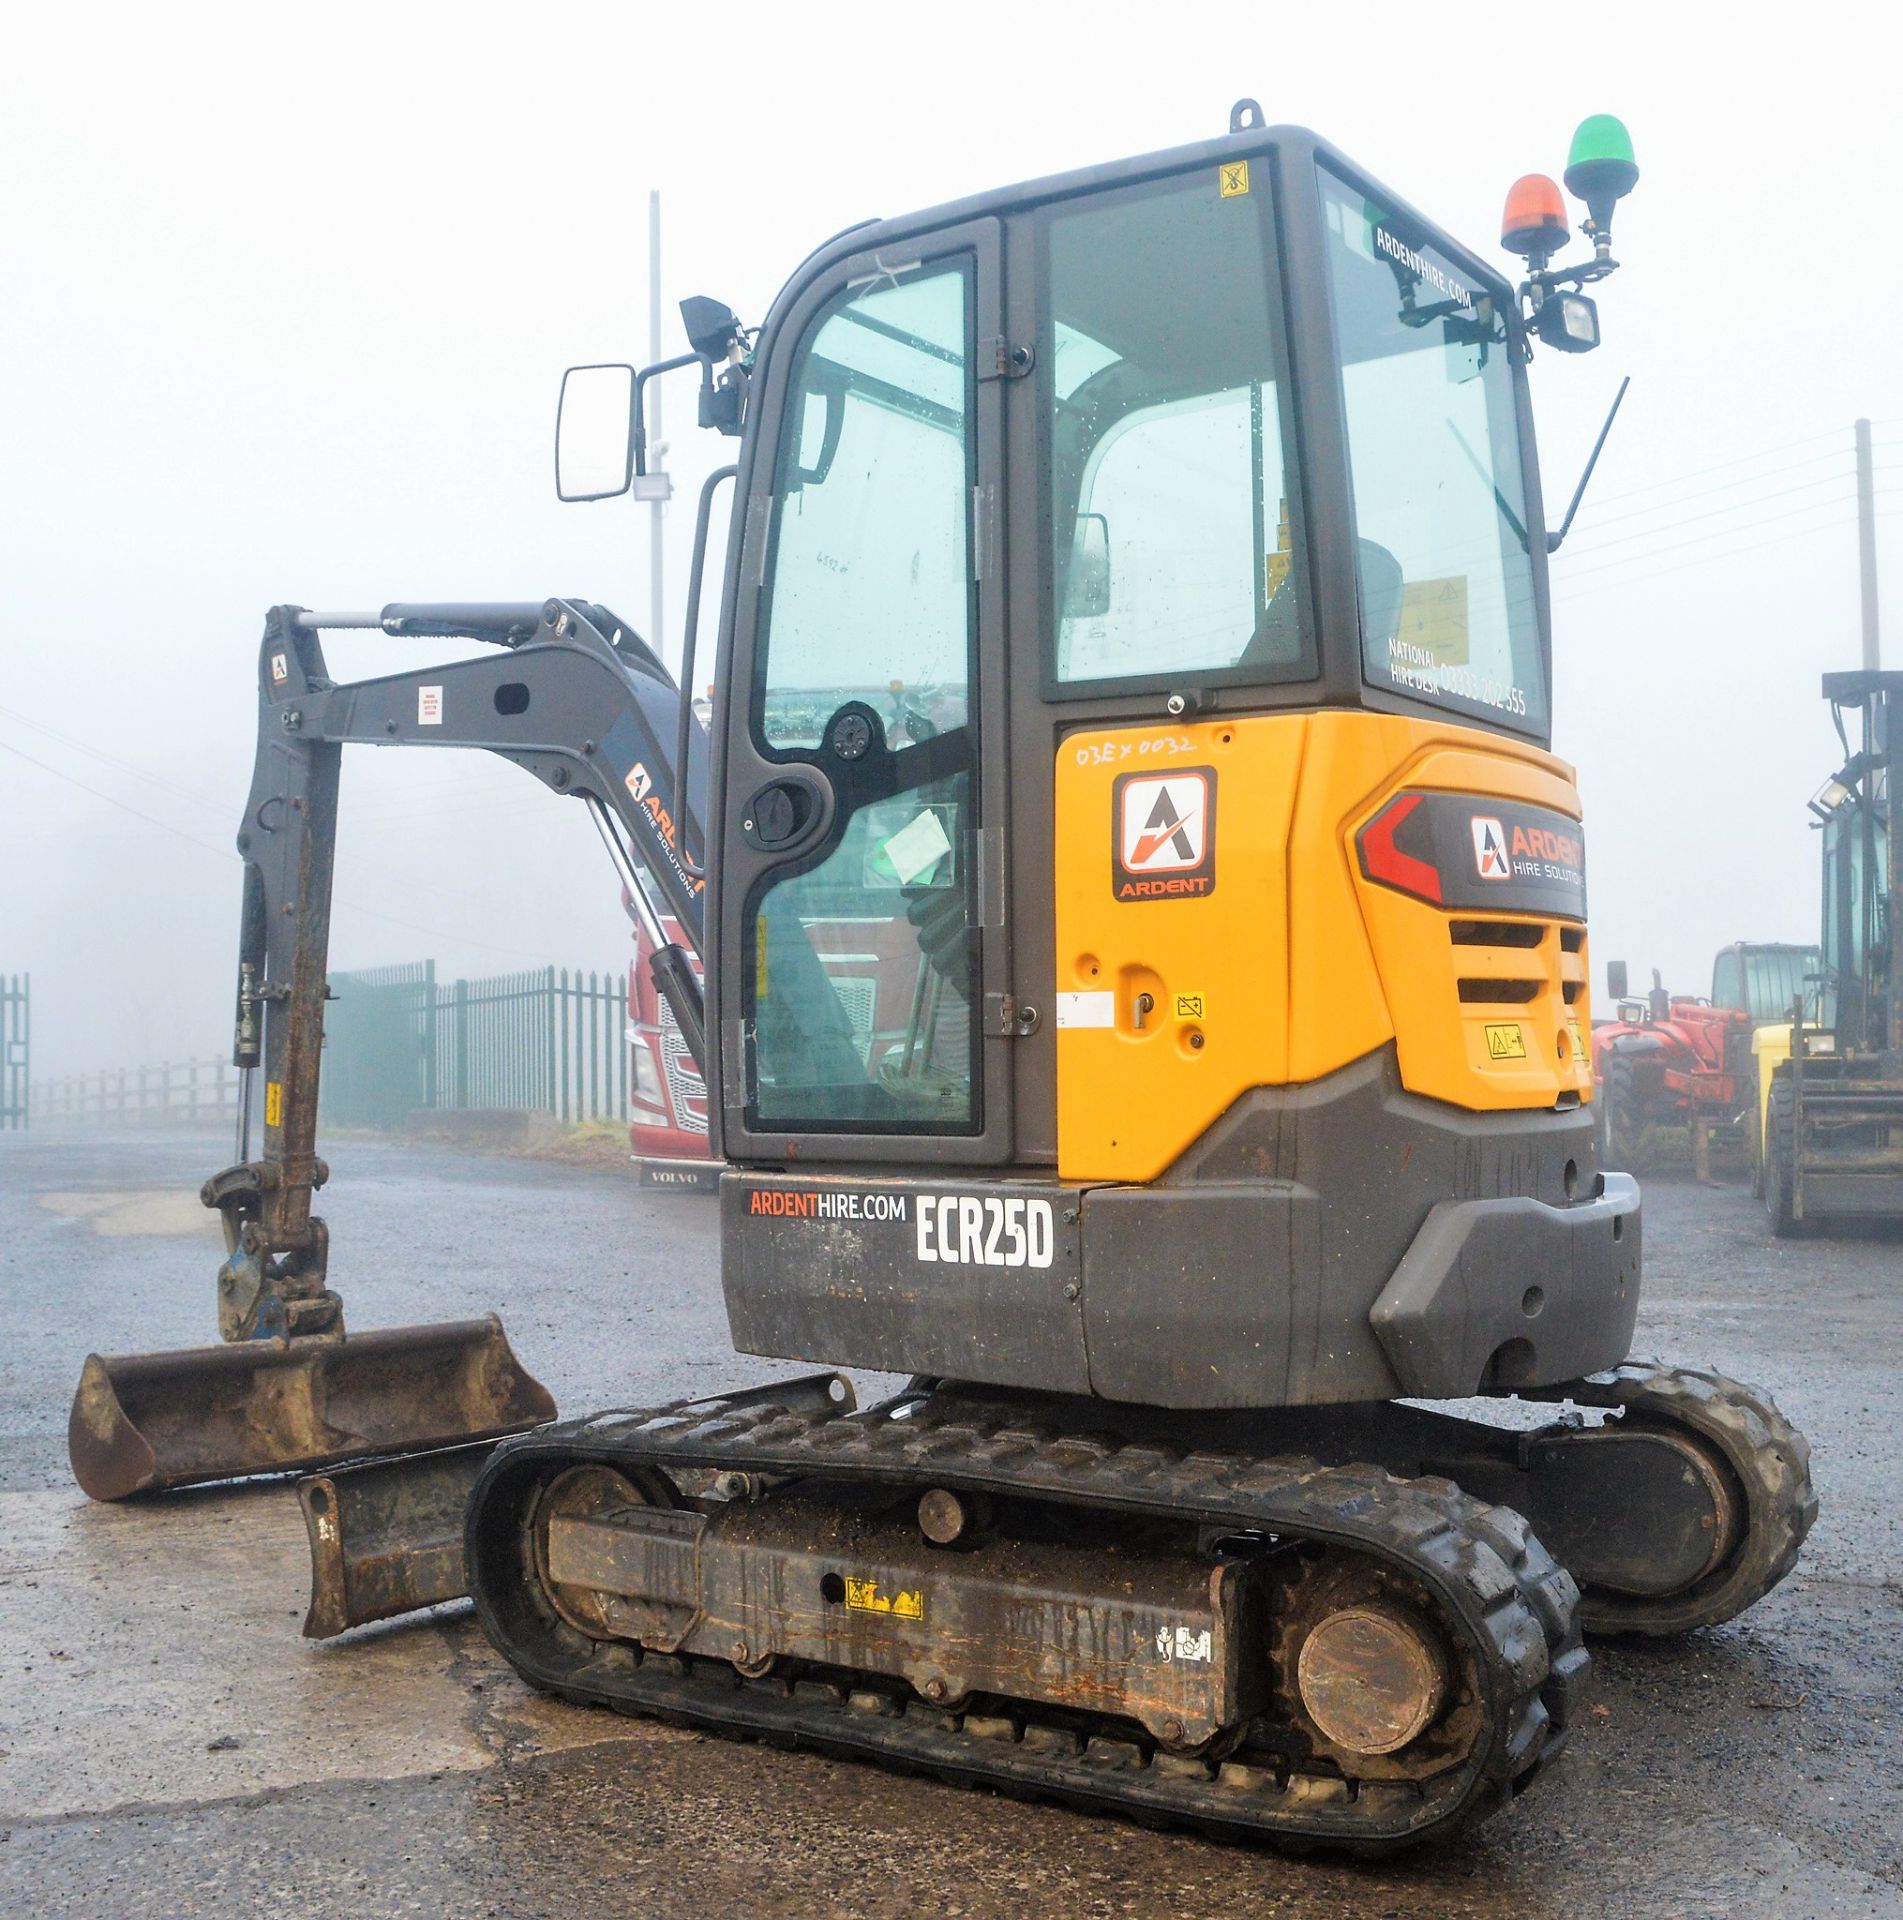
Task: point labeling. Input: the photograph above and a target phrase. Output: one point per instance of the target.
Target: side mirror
(1616, 985)
(1087, 590)
(594, 433)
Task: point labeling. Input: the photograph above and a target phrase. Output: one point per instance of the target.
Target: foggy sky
(287, 294)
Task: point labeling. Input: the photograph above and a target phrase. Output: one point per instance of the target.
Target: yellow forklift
(1145, 1005)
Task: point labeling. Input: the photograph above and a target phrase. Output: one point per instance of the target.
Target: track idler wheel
(1739, 1444)
(592, 1492)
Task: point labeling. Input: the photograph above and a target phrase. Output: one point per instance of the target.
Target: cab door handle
(782, 814)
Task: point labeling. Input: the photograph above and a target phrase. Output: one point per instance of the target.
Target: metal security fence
(16, 1053)
(399, 1041)
(175, 1093)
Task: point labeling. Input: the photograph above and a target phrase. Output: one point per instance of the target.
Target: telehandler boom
(1831, 1081)
(1143, 931)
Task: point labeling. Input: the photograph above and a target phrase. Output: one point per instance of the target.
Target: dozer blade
(387, 1536)
(144, 1422)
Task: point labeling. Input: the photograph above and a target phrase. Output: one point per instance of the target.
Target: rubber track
(1513, 1609)
(1768, 1458)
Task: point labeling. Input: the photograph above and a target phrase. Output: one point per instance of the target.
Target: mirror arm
(641, 380)
(1579, 492)
(685, 724)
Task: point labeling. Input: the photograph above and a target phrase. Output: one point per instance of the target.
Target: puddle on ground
(120, 1215)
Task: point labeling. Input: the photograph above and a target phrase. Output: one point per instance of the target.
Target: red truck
(667, 1098)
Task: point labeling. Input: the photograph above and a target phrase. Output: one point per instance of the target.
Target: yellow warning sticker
(1232, 179)
(1506, 1041)
(1579, 1044)
(274, 1103)
(863, 1596)
(1191, 1006)
(1275, 565)
(1433, 626)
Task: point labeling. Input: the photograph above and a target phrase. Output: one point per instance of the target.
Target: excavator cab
(1132, 744)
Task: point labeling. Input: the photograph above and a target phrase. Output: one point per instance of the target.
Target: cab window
(1727, 981)
(1172, 547)
(1443, 561)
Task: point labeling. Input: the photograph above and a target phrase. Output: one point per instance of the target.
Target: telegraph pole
(1867, 546)
(657, 504)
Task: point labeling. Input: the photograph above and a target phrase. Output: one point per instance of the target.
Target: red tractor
(1671, 1070)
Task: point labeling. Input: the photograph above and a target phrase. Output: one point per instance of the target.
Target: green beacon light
(1601, 171)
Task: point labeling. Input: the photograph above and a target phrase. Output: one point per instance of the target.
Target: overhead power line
(1728, 466)
(1614, 580)
(226, 853)
(453, 778)
(1843, 513)
(1718, 513)
(112, 759)
(112, 800)
(1837, 456)
(1599, 558)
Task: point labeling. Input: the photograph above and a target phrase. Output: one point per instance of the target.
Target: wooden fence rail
(179, 1093)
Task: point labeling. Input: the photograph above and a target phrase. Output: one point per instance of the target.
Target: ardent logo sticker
(1438, 847)
(1164, 829)
(1165, 822)
(1490, 848)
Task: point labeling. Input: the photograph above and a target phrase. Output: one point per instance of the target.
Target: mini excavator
(1133, 931)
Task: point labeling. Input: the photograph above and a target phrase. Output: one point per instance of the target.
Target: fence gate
(379, 1052)
(15, 1048)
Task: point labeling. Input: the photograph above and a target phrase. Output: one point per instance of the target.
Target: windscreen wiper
(1486, 480)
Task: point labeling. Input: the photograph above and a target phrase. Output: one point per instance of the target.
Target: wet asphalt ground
(170, 1746)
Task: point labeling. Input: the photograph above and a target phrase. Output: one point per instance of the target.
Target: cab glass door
(861, 982)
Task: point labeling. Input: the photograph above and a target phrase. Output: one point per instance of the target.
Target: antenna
(1579, 492)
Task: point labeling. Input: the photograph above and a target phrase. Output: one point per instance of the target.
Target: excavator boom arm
(570, 695)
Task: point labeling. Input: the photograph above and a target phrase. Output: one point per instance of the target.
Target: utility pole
(1867, 546)
(657, 505)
